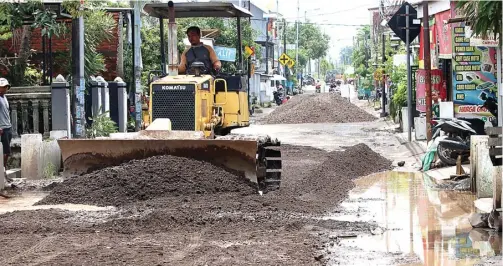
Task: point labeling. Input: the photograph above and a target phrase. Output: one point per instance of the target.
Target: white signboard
(290, 46)
(345, 91)
(487, 42)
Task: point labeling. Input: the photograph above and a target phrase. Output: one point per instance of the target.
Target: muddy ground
(225, 227)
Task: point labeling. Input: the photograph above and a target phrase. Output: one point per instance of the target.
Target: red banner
(437, 88)
(443, 30)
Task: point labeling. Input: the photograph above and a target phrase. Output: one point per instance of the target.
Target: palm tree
(484, 16)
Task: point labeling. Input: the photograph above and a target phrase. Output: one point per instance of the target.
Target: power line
(336, 24)
(336, 12)
(321, 24)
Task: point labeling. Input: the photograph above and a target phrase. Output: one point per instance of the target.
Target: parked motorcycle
(332, 87)
(318, 88)
(278, 97)
(455, 139)
(492, 106)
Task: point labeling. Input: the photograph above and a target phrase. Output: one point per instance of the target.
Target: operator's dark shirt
(203, 53)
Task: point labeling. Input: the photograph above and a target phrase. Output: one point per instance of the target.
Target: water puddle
(418, 222)
(25, 200)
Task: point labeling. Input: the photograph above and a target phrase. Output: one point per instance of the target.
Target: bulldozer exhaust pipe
(172, 41)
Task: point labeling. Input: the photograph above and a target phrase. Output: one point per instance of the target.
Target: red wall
(63, 44)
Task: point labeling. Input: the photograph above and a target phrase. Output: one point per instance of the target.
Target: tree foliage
(361, 52)
(346, 55)
(483, 16)
(98, 27)
(313, 43)
(13, 17)
(326, 66)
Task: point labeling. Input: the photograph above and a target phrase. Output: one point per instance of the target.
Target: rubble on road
(172, 201)
(315, 188)
(317, 108)
(146, 179)
(333, 178)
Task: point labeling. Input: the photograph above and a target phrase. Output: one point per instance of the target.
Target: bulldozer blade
(244, 157)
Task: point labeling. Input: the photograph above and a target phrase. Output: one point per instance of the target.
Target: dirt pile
(139, 180)
(317, 108)
(177, 202)
(331, 180)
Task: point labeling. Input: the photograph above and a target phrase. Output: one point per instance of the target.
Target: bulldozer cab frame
(197, 10)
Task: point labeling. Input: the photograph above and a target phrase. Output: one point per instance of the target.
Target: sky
(347, 12)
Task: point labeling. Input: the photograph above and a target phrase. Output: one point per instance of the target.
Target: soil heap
(216, 227)
(139, 180)
(317, 108)
(330, 181)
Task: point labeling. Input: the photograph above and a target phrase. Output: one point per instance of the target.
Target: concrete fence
(30, 110)
(41, 115)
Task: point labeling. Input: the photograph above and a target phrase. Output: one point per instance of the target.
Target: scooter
(492, 106)
(332, 87)
(278, 97)
(318, 88)
(456, 138)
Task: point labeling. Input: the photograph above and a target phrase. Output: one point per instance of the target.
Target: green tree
(346, 55)
(313, 43)
(483, 16)
(325, 66)
(99, 26)
(13, 17)
(361, 52)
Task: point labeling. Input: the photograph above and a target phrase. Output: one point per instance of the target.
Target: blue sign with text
(225, 53)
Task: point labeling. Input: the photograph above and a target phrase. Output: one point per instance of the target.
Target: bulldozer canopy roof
(197, 9)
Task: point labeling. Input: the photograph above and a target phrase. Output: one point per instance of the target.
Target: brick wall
(62, 45)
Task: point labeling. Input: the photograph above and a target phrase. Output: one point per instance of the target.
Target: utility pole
(500, 85)
(137, 63)
(284, 45)
(297, 41)
(276, 39)
(409, 74)
(78, 73)
(267, 47)
(427, 67)
(383, 113)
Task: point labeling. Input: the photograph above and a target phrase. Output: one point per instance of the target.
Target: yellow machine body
(203, 103)
(198, 108)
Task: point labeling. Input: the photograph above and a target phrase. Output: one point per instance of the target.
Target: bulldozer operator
(198, 52)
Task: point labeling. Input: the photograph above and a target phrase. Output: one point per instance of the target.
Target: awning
(278, 77)
(196, 9)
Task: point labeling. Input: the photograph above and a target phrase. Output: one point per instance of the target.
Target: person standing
(5, 124)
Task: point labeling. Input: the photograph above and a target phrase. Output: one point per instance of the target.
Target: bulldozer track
(269, 165)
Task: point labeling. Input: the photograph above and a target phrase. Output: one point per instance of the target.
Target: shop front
(474, 74)
(463, 74)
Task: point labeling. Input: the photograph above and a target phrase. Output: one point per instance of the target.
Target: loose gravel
(317, 108)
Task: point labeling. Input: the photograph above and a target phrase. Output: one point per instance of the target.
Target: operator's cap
(4, 82)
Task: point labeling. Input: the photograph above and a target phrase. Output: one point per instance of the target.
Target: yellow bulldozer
(196, 111)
